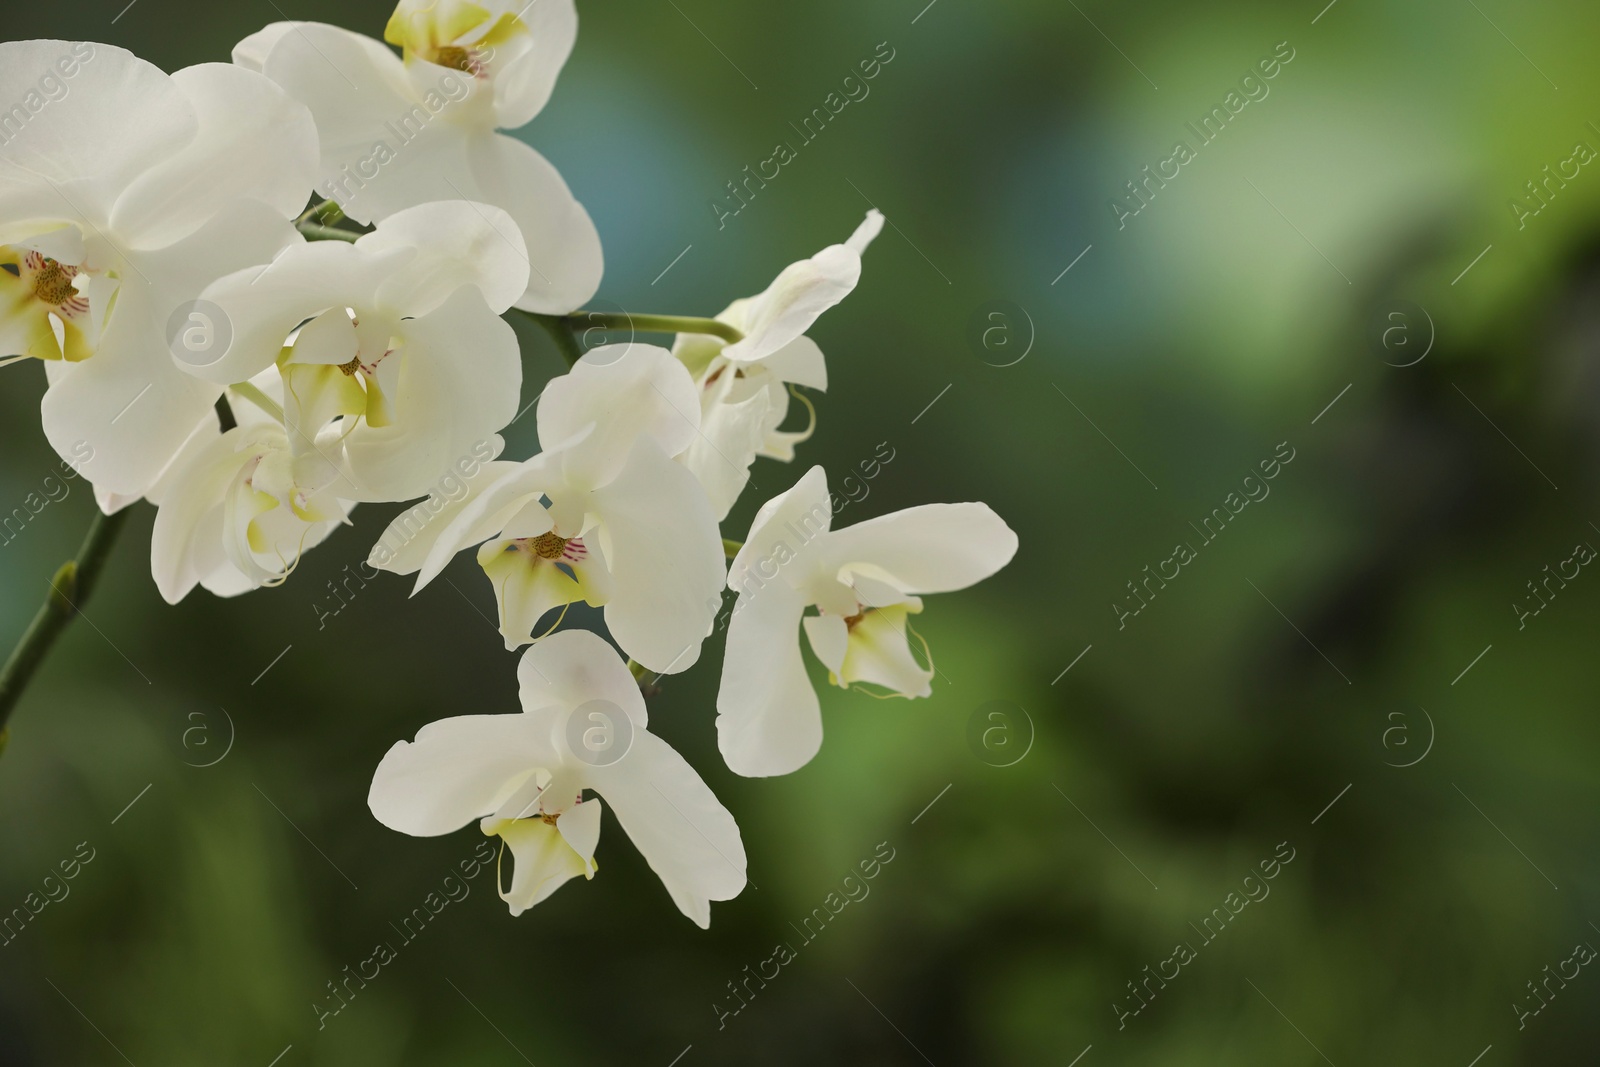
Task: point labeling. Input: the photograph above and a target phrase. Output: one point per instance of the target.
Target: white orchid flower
(398, 133)
(396, 340)
(744, 393)
(123, 191)
(601, 515)
(237, 510)
(866, 581)
(583, 728)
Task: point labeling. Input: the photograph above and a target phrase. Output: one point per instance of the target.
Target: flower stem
(561, 332)
(70, 589)
(731, 548)
(646, 677)
(567, 330)
(259, 399)
(315, 232)
(625, 320)
(326, 212)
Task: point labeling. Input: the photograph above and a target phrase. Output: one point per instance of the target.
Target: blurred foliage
(1211, 728)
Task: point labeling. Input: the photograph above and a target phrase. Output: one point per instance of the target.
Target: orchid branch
(70, 589)
(320, 223)
(248, 391)
(646, 677)
(326, 212)
(567, 330)
(313, 231)
(561, 332)
(626, 320)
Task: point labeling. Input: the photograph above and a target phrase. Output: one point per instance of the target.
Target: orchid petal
(543, 859)
(253, 142)
(565, 258)
(660, 540)
(732, 433)
(783, 535)
(935, 548)
(457, 770)
(689, 839)
(623, 391)
(797, 298)
(459, 376)
(404, 546)
(571, 668)
(460, 243)
(769, 721)
(115, 118)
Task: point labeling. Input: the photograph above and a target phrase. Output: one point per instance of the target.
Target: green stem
(70, 589)
(225, 419)
(643, 675)
(566, 330)
(561, 332)
(731, 548)
(259, 399)
(655, 324)
(314, 232)
(327, 212)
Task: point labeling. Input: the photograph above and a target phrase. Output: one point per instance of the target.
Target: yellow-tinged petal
(43, 312)
(879, 653)
(527, 586)
(505, 29)
(25, 327)
(316, 394)
(422, 32)
(543, 859)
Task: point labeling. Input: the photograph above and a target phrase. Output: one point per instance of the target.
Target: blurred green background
(1316, 644)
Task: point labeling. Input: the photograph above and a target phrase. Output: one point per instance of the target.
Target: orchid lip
(466, 60)
(552, 547)
(52, 281)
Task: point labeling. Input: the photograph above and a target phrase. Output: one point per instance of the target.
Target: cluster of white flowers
(169, 242)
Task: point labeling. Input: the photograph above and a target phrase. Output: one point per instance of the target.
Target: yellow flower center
(549, 545)
(458, 34)
(53, 283)
(458, 58)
